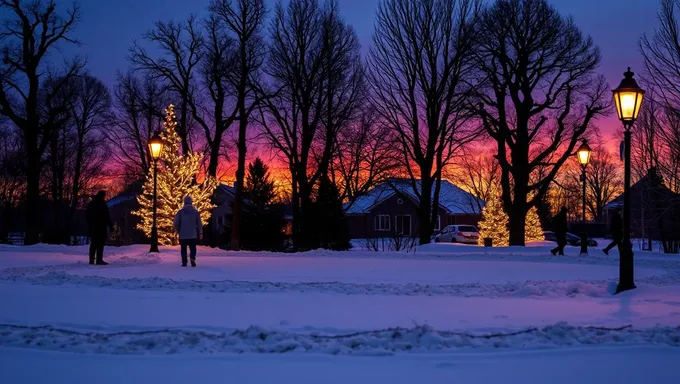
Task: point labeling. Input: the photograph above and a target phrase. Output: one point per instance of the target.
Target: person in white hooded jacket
(189, 228)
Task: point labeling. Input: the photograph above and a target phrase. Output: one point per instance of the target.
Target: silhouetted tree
(138, 112)
(363, 156)
(12, 177)
(76, 150)
(331, 226)
(30, 33)
(660, 127)
(180, 45)
(420, 72)
(540, 96)
(477, 172)
(243, 21)
(263, 220)
(314, 67)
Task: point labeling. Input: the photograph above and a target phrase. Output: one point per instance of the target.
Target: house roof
(451, 197)
(652, 182)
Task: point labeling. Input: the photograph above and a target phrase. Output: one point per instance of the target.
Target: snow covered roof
(452, 198)
(120, 199)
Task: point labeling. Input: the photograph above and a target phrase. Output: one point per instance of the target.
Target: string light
(177, 176)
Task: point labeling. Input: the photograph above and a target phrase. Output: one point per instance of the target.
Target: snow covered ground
(446, 313)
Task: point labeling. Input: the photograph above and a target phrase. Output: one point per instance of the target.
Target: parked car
(571, 239)
(458, 234)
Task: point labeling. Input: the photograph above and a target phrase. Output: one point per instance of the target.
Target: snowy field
(444, 314)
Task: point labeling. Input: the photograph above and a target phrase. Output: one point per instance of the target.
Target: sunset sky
(108, 29)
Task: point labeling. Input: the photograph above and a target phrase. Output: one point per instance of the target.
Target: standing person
(560, 229)
(98, 222)
(189, 228)
(616, 230)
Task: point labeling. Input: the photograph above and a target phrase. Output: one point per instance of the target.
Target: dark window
(382, 223)
(467, 228)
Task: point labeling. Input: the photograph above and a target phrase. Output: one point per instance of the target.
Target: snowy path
(446, 314)
(566, 366)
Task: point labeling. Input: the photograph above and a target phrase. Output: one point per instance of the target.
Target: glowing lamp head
(628, 99)
(583, 153)
(155, 146)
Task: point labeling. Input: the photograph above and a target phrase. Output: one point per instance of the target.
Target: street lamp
(628, 99)
(155, 149)
(583, 154)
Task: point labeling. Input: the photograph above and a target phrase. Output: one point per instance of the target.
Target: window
(402, 225)
(438, 223)
(467, 228)
(382, 223)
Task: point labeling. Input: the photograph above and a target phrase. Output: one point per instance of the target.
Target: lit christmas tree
(494, 223)
(177, 178)
(534, 230)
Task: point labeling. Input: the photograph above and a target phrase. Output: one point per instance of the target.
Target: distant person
(189, 228)
(98, 222)
(616, 231)
(560, 229)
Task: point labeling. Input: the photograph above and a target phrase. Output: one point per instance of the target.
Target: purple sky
(108, 29)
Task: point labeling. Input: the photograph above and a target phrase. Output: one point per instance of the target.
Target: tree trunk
(240, 176)
(32, 197)
(214, 155)
(183, 130)
(516, 223)
(425, 210)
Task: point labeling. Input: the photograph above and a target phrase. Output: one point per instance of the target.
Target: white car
(458, 234)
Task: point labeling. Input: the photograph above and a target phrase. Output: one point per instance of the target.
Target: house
(391, 208)
(654, 209)
(219, 227)
(125, 223)
(220, 220)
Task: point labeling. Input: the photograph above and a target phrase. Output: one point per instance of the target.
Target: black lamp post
(628, 99)
(583, 154)
(155, 149)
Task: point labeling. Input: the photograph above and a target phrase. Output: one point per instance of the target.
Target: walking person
(617, 232)
(98, 222)
(560, 229)
(189, 228)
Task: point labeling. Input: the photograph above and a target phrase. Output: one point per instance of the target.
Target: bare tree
(181, 53)
(243, 20)
(76, 150)
(209, 104)
(478, 172)
(540, 96)
(311, 60)
(12, 176)
(138, 104)
(363, 156)
(661, 123)
(603, 181)
(420, 71)
(89, 111)
(30, 33)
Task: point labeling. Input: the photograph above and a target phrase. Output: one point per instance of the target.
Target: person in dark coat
(616, 231)
(560, 229)
(98, 222)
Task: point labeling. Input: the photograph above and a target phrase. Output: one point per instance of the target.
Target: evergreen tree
(534, 229)
(259, 188)
(262, 220)
(177, 175)
(331, 224)
(494, 223)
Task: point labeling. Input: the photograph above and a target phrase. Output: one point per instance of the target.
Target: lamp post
(583, 154)
(628, 99)
(155, 149)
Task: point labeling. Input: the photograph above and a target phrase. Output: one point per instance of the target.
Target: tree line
(440, 77)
